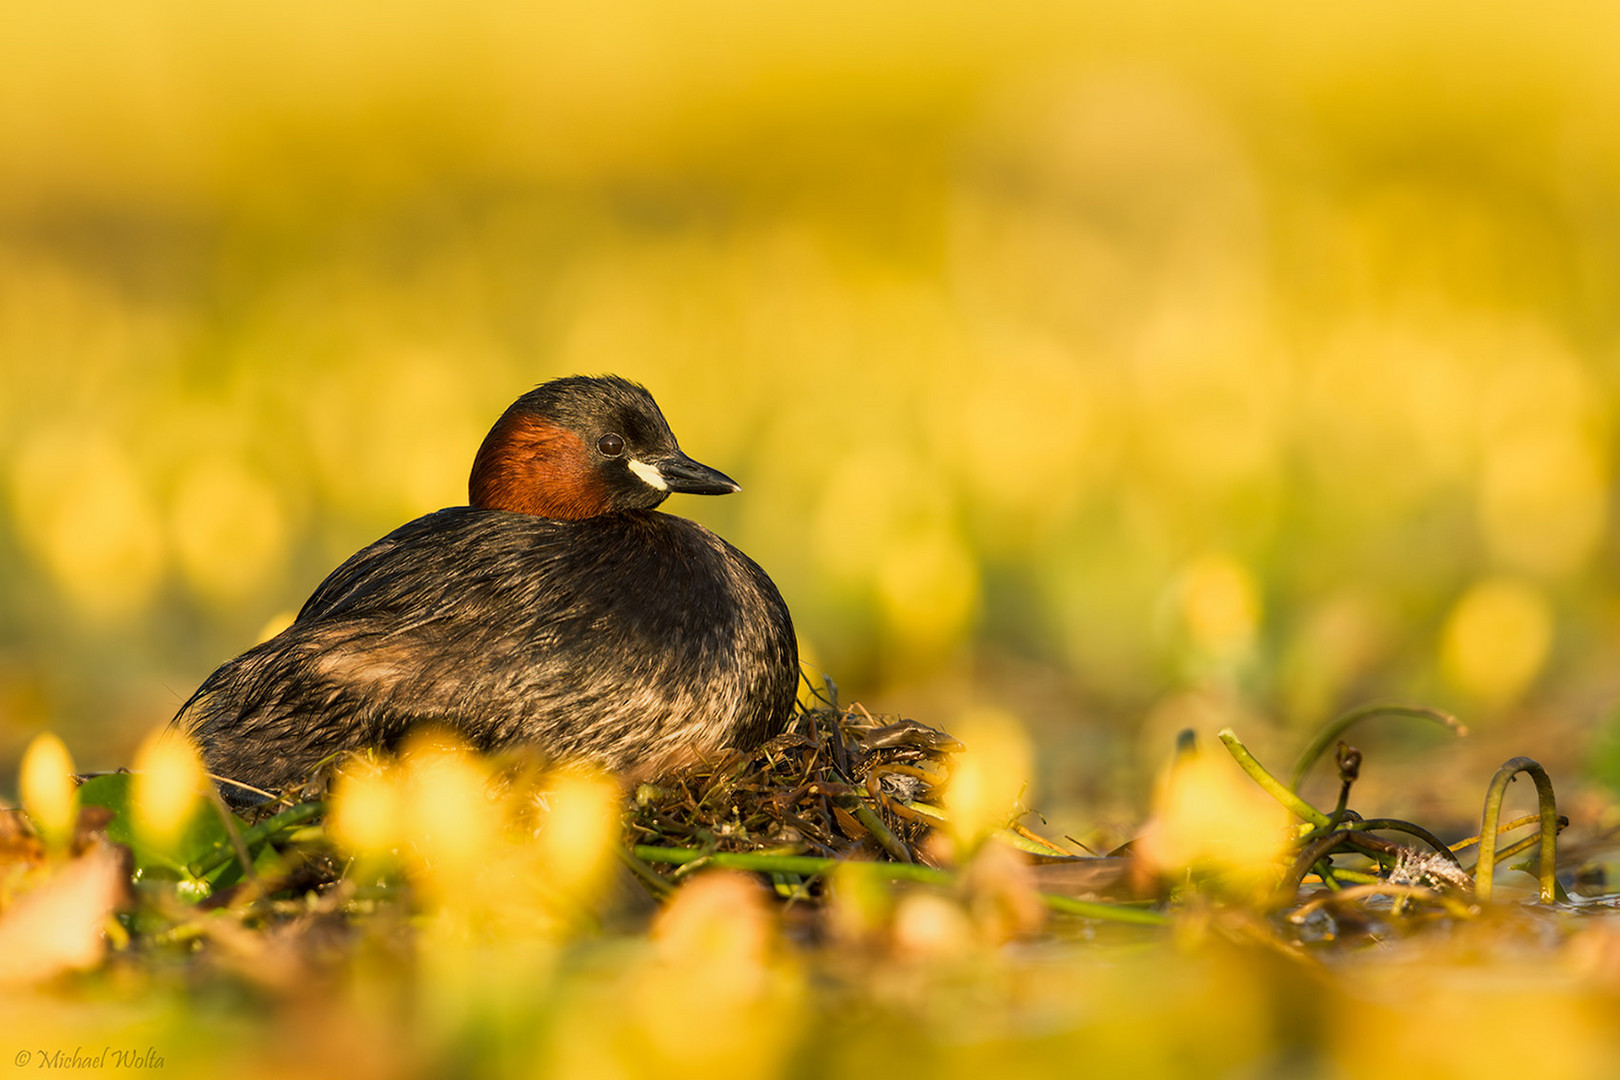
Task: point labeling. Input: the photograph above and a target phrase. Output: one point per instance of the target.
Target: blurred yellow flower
(167, 786)
(716, 945)
(580, 830)
(448, 815)
(48, 791)
(926, 925)
(989, 777)
(367, 814)
(1207, 815)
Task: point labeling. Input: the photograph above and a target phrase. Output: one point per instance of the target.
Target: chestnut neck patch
(531, 466)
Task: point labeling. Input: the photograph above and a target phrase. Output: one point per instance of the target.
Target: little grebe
(559, 609)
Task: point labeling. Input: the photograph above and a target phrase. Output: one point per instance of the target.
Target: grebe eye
(611, 445)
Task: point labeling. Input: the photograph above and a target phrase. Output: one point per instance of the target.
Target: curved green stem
(1270, 784)
(1397, 825)
(1549, 827)
(1322, 845)
(1344, 721)
(1313, 853)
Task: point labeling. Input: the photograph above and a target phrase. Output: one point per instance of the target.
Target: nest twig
(837, 783)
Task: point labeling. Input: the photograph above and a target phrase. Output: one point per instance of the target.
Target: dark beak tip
(684, 475)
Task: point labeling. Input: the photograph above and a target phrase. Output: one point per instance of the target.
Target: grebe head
(577, 447)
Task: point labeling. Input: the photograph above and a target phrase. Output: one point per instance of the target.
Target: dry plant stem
(1528, 819)
(1344, 721)
(249, 788)
(1452, 905)
(808, 866)
(1488, 829)
(1324, 865)
(1336, 819)
(1015, 835)
(1270, 784)
(1029, 842)
(1518, 847)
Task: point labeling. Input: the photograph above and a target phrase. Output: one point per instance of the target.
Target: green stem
(1324, 870)
(1549, 828)
(644, 873)
(808, 865)
(880, 830)
(265, 829)
(1342, 723)
(1092, 909)
(1270, 784)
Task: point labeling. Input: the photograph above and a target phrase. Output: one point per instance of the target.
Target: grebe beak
(680, 473)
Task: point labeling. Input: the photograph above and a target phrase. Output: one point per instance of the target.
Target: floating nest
(840, 784)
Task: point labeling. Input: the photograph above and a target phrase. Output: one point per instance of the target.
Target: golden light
(61, 925)
(1543, 498)
(931, 926)
(716, 943)
(1496, 639)
(1220, 605)
(928, 585)
(274, 625)
(229, 529)
(1030, 435)
(83, 508)
(873, 493)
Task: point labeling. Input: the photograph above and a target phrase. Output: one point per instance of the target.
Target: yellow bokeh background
(1071, 357)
